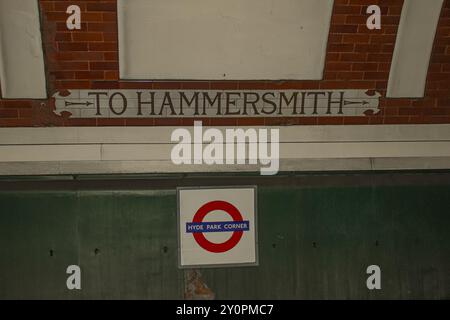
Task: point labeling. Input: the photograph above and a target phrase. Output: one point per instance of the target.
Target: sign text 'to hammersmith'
(233, 103)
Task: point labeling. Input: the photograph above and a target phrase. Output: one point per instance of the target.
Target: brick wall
(357, 58)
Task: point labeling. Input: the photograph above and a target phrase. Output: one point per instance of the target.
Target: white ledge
(115, 150)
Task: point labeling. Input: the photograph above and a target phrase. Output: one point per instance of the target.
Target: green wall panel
(314, 243)
(124, 242)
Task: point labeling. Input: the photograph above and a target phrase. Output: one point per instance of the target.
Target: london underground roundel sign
(225, 226)
(217, 226)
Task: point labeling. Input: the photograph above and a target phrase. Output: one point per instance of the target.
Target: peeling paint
(195, 287)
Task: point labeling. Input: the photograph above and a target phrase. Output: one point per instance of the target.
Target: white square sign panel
(217, 227)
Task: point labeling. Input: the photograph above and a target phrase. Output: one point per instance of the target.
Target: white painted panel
(22, 72)
(216, 39)
(413, 48)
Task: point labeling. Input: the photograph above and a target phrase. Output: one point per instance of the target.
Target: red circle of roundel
(235, 237)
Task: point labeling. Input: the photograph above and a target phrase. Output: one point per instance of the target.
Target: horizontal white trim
(150, 135)
(163, 167)
(161, 152)
(108, 150)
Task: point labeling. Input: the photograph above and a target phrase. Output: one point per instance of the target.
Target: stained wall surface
(317, 236)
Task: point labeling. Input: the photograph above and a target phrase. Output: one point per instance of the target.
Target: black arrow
(346, 102)
(87, 103)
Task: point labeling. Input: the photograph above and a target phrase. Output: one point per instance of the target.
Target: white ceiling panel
(413, 48)
(216, 39)
(22, 72)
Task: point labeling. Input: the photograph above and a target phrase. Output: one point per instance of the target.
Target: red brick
(223, 122)
(170, 85)
(88, 56)
(16, 123)
(69, 65)
(25, 113)
(61, 75)
(339, 66)
(376, 75)
(330, 120)
(63, 36)
(224, 85)
(111, 75)
(355, 38)
(111, 122)
(110, 36)
(341, 47)
(76, 122)
(364, 66)
(351, 57)
(113, 56)
(89, 75)
(87, 36)
(102, 26)
(91, 16)
(104, 65)
(63, 5)
(103, 46)
(191, 85)
(109, 16)
(350, 75)
(73, 84)
(101, 6)
(356, 120)
(134, 85)
(382, 57)
(56, 16)
(340, 9)
(105, 85)
(250, 122)
(72, 46)
(344, 29)
(140, 122)
(167, 121)
(9, 113)
(189, 122)
(252, 85)
(17, 104)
